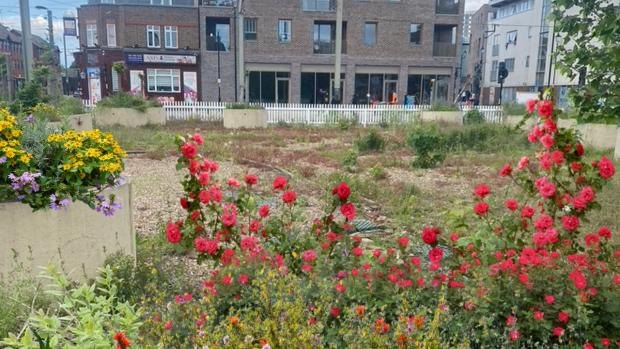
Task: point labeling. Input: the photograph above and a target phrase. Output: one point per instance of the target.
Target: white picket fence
(314, 114)
(492, 113)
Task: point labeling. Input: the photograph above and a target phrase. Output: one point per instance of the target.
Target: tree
(589, 49)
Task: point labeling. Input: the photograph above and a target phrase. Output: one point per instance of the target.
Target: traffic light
(502, 72)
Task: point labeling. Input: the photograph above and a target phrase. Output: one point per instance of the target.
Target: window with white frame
(115, 80)
(91, 35)
(111, 34)
(152, 36)
(249, 29)
(511, 38)
(171, 34)
(163, 80)
(284, 30)
(161, 2)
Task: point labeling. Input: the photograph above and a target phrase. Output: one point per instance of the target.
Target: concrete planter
(129, 117)
(78, 122)
(79, 237)
(450, 117)
(245, 118)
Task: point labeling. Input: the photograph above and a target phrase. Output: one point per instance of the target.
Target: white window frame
(111, 34)
(285, 29)
(154, 79)
(153, 32)
(171, 36)
(91, 35)
(250, 26)
(161, 2)
(115, 81)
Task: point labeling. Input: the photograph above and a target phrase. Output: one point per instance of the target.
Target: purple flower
(58, 205)
(108, 208)
(2, 160)
(26, 182)
(29, 118)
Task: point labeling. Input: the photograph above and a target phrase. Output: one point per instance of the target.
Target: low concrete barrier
(78, 238)
(78, 122)
(129, 117)
(597, 136)
(451, 117)
(245, 118)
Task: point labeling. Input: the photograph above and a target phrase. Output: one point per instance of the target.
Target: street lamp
(219, 77)
(50, 29)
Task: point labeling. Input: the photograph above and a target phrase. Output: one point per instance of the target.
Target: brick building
(11, 47)
(145, 47)
(476, 54)
(407, 46)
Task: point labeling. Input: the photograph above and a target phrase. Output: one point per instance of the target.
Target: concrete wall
(129, 117)
(245, 118)
(79, 237)
(451, 117)
(597, 136)
(79, 122)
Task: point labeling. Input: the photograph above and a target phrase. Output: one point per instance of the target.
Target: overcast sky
(9, 16)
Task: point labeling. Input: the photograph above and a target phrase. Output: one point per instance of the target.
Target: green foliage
(344, 123)
(474, 116)
(444, 107)
(87, 316)
(244, 106)
(372, 141)
(589, 48)
(125, 100)
(428, 144)
(350, 159)
(70, 106)
(514, 109)
(377, 172)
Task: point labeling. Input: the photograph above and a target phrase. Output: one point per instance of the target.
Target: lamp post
(50, 30)
(219, 76)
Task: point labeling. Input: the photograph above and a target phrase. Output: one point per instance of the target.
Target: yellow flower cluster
(89, 150)
(44, 109)
(10, 147)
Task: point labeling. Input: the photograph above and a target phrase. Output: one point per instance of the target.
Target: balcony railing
(444, 49)
(318, 5)
(219, 3)
(324, 47)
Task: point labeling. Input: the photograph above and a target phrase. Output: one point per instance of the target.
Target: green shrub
(474, 116)
(514, 109)
(484, 138)
(372, 141)
(70, 106)
(125, 100)
(377, 172)
(244, 106)
(428, 144)
(444, 107)
(350, 159)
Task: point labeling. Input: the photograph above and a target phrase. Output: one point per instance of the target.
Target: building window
(447, 7)
(511, 38)
(115, 81)
(370, 34)
(171, 34)
(218, 34)
(495, 47)
(152, 36)
(163, 80)
(374, 88)
(318, 88)
(250, 28)
(161, 2)
(444, 40)
(91, 35)
(514, 8)
(325, 37)
(527, 61)
(111, 34)
(269, 87)
(494, 71)
(415, 33)
(318, 5)
(284, 30)
(510, 64)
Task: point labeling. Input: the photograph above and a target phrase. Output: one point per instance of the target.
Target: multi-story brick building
(408, 47)
(476, 54)
(11, 47)
(147, 47)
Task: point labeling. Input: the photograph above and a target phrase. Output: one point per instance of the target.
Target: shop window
(163, 80)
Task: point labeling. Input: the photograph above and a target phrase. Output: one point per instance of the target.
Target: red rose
(606, 168)
(530, 104)
(545, 109)
(358, 252)
(342, 190)
(547, 141)
(279, 183)
(173, 233)
(204, 178)
(194, 166)
(348, 210)
(482, 191)
(403, 241)
(512, 204)
(557, 157)
(549, 299)
(558, 331)
(183, 202)
(563, 317)
(200, 244)
(251, 179)
(263, 211)
(308, 256)
(539, 315)
(189, 150)
(197, 138)
(579, 149)
(289, 197)
(514, 335)
(335, 312)
(604, 232)
(435, 255)
(204, 196)
(505, 171)
(481, 208)
(429, 235)
(570, 223)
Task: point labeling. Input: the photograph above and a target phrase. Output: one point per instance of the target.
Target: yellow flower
(16, 133)
(25, 158)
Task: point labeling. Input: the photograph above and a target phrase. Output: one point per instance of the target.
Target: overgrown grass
(125, 100)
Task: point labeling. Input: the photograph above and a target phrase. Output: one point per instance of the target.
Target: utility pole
(336, 96)
(240, 88)
(24, 12)
(50, 30)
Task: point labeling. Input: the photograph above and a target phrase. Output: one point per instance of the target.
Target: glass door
(282, 90)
